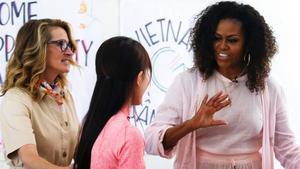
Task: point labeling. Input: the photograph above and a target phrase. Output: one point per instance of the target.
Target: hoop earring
(247, 59)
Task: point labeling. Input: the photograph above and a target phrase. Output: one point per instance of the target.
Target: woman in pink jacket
(108, 141)
(233, 47)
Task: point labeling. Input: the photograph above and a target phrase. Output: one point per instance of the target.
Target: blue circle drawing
(166, 64)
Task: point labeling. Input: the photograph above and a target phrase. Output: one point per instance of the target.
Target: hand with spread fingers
(204, 116)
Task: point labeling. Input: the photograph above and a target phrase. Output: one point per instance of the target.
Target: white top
(244, 116)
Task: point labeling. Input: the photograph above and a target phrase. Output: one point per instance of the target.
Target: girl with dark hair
(108, 141)
(233, 47)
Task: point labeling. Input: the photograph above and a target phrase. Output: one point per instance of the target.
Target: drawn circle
(166, 65)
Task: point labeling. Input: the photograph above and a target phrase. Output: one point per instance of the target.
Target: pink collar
(125, 109)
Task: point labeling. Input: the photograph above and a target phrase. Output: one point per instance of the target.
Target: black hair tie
(103, 77)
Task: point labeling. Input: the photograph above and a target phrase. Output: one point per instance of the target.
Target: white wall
(110, 11)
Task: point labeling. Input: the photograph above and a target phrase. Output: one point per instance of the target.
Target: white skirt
(206, 160)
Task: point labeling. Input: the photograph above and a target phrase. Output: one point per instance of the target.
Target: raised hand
(204, 116)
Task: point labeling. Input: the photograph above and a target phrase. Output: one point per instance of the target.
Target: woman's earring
(247, 59)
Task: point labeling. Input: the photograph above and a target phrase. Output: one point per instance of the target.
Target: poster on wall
(86, 27)
(164, 30)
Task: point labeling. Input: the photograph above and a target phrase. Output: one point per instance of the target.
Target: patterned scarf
(54, 90)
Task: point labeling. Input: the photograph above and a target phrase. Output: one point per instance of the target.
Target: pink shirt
(243, 132)
(119, 145)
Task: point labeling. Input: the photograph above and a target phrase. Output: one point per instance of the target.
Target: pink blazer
(188, 90)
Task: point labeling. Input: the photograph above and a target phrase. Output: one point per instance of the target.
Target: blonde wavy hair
(28, 60)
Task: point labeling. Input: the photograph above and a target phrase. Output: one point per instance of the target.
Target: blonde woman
(38, 119)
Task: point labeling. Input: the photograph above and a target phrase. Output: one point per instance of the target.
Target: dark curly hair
(259, 41)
